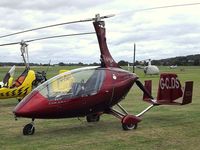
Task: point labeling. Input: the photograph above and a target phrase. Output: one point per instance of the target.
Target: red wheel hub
(130, 119)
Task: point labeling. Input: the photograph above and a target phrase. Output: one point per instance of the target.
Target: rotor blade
(58, 24)
(157, 7)
(168, 6)
(103, 17)
(58, 36)
(6, 44)
(49, 37)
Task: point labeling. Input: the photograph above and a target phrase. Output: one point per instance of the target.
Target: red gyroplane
(92, 91)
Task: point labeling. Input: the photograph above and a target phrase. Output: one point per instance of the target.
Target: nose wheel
(29, 129)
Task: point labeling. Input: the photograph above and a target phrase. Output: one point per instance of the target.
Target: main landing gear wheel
(130, 122)
(29, 129)
(129, 126)
(93, 118)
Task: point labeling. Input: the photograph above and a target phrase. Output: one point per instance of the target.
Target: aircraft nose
(20, 110)
(17, 112)
(24, 108)
(31, 106)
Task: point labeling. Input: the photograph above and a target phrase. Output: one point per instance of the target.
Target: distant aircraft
(173, 66)
(150, 69)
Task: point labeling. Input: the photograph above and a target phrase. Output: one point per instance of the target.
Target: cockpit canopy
(72, 84)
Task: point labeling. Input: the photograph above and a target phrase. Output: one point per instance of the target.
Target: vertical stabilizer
(169, 88)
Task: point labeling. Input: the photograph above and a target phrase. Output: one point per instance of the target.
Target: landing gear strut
(29, 129)
(129, 122)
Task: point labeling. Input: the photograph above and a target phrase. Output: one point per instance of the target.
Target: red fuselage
(114, 88)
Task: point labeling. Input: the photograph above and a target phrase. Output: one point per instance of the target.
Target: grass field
(164, 127)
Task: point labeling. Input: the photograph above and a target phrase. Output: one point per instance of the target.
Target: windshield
(81, 82)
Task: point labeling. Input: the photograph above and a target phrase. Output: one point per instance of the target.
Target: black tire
(28, 129)
(129, 127)
(93, 118)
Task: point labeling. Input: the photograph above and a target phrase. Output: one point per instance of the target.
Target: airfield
(163, 127)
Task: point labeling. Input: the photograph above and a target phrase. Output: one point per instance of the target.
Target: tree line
(190, 60)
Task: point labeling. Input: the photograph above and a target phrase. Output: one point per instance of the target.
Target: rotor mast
(105, 57)
(24, 51)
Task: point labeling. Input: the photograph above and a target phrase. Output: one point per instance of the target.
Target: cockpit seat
(20, 79)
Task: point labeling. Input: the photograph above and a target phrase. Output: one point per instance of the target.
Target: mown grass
(164, 127)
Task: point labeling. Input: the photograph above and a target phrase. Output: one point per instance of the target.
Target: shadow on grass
(76, 129)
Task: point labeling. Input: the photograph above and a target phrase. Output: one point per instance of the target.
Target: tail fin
(170, 91)
(169, 88)
(187, 96)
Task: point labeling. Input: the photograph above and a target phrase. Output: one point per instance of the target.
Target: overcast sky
(158, 34)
